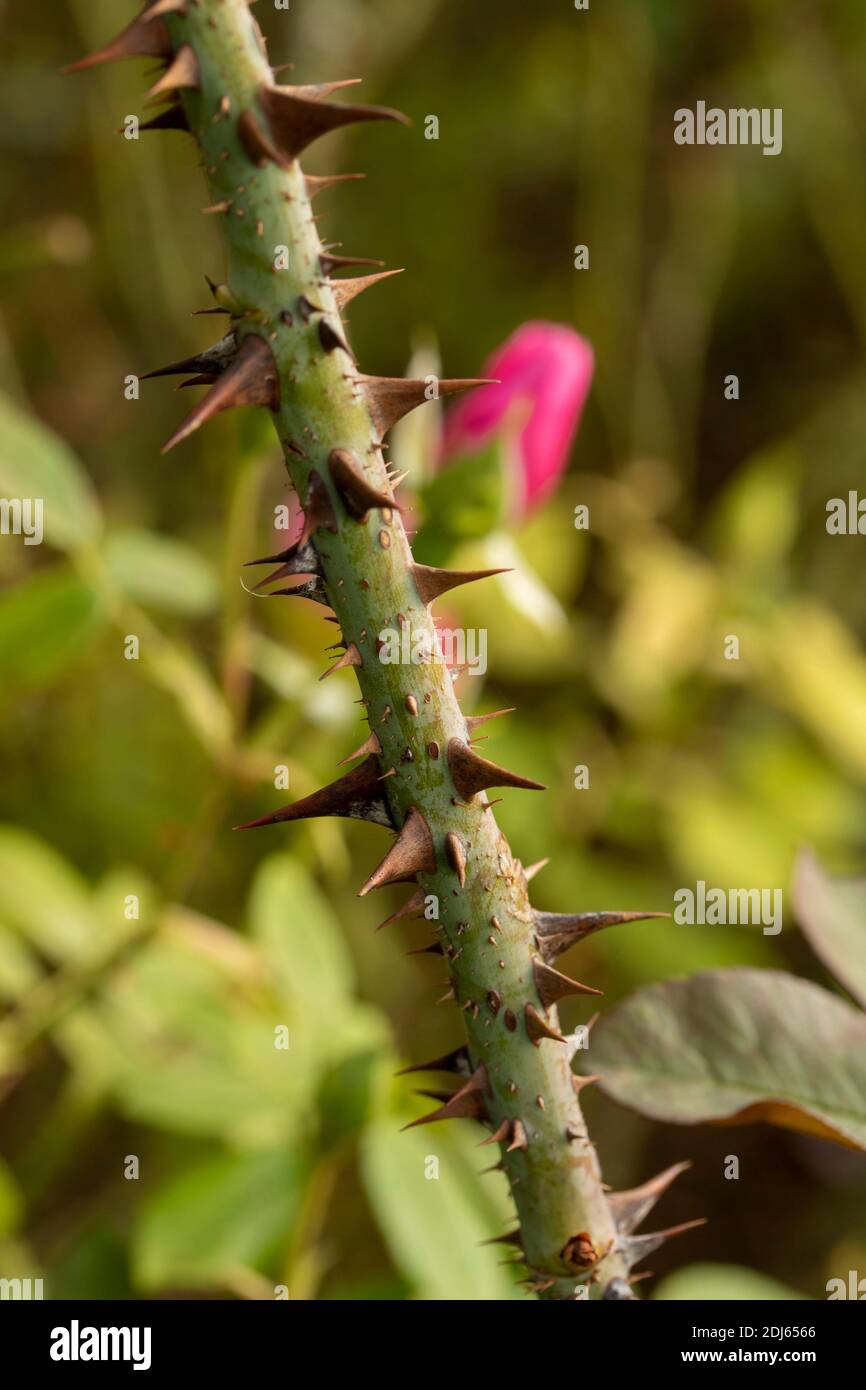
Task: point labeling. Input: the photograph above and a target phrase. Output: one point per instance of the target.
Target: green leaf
(464, 501)
(735, 1046)
(301, 937)
(832, 913)
(702, 1282)
(45, 624)
(43, 898)
(161, 572)
(218, 1216)
(434, 1225)
(35, 462)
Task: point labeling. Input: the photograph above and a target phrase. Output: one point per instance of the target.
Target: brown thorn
(345, 291)
(431, 582)
(356, 491)
(411, 853)
(356, 795)
(456, 856)
(251, 379)
(392, 397)
(415, 904)
(140, 39)
(296, 121)
(351, 657)
(371, 744)
(538, 1028)
(182, 71)
(552, 985)
(471, 773)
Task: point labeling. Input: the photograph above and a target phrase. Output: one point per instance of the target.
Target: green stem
(522, 1085)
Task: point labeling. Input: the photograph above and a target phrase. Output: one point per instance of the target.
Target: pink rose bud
(544, 371)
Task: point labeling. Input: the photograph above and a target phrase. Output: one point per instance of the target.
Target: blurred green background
(151, 1036)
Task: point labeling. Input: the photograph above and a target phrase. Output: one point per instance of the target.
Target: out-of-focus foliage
(147, 954)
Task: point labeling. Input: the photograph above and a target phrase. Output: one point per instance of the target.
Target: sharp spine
(411, 853)
(553, 986)
(355, 796)
(252, 379)
(472, 774)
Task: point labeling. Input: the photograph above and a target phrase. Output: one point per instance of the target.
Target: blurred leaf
(193, 1049)
(11, 1201)
(35, 462)
(813, 666)
(832, 914)
(464, 501)
(45, 624)
(161, 572)
(707, 1282)
(94, 1267)
(301, 938)
(433, 1226)
(19, 968)
(43, 898)
(217, 1216)
(353, 1091)
(737, 1046)
(765, 486)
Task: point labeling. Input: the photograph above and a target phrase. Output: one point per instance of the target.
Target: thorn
(449, 997)
(317, 91)
(224, 206)
(431, 582)
(456, 1061)
(551, 985)
(414, 905)
(538, 1028)
(436, 949)
(172, 118)
(636, 1248)
(578, 1082)
(311, 589)
(319, 514)
(256, 144)
(456, 857)
(296, 121)
(471, 773)
(356, 796)
(295, 560)
(352, 657)
(330, 339)
(392, 397)
(510, 1238)
(140, 39)
(371, 744)
(329, 262)
(518, 1137)
(498, 1136)
(411, 853)
(558, 931)
(467, 1103)
(532, 869)
(318, 183)
(251, 379)
(474, 721)
(213, 361)
(346, 290)
(357, 493)
(182, 71)
(631, 1207)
